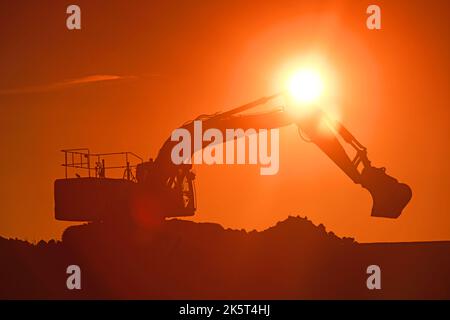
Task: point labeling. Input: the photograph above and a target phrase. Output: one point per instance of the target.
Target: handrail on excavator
(80, 158)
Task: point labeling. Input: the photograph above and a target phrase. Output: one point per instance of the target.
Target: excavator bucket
(389, 196)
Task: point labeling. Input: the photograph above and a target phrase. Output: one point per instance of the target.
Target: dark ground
(187, 260)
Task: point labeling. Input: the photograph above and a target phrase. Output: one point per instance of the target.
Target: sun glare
(305, 86)
(309, 84)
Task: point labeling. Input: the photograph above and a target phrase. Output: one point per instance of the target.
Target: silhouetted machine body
(154, 190)
(150, 192)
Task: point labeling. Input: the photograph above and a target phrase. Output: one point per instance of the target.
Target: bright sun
(305, 86)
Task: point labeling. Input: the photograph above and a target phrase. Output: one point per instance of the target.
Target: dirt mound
(185, 260)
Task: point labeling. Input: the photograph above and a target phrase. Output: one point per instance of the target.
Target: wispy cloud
(65, 84)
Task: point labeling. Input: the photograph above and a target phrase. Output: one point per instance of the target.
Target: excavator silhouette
(160, 189)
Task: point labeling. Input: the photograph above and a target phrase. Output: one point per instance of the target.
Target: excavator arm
(389, 196)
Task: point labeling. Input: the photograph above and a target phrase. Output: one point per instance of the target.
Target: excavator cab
(172, 188)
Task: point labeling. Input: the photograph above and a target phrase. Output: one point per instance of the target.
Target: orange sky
(150, 67)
